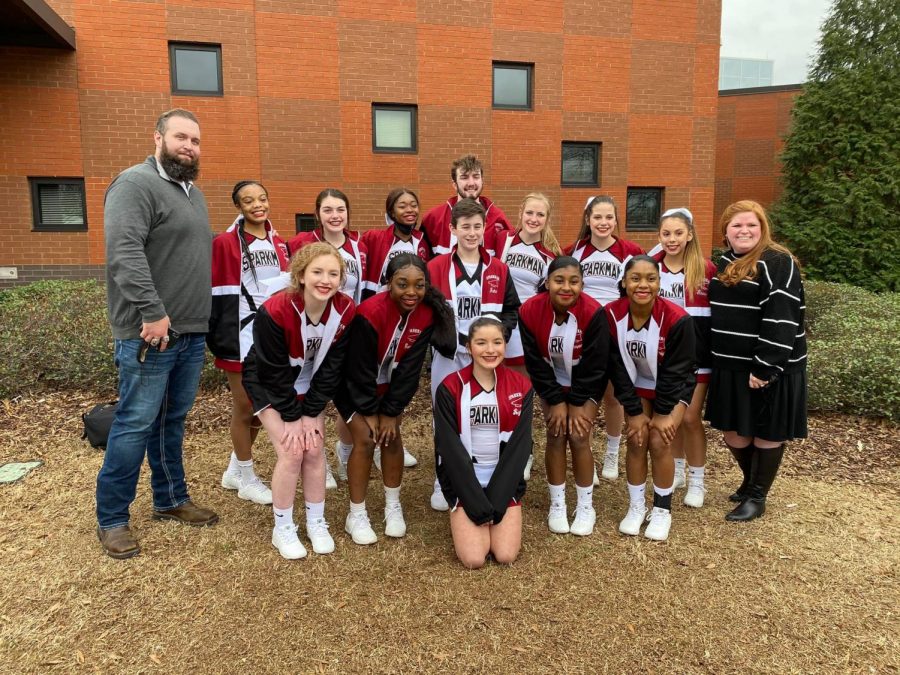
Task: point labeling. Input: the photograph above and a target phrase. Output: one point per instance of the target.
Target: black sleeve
(508, 481)
(455, 470)
(676, 375)
(273, 366)
(781, 305)
(362, 367)
(223, 323)
(406, 377)
(543, 379)
(590, 376)
(327, 378)
(509, 317)
(623, 387)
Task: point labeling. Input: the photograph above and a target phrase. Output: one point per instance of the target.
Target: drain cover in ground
(10, 473)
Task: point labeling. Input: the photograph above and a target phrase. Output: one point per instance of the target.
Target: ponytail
(444, 337)
(694, 260)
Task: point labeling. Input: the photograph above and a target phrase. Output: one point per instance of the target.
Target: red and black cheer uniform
(353, 252)
(656, 362)
(383, 245)
(483, 441)
(386, 353)
(602, 270)
(567, 363)
(239, 289)
(295, 366)
(436, 225)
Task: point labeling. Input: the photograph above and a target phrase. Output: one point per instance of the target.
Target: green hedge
(54, 334)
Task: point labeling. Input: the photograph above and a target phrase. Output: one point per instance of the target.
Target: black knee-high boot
(764, 468)
(743, 457)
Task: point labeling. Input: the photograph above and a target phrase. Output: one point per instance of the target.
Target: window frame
(215, 48)
(529, 93)
(413, 109)
(644, 227)
(598, 154)
(37, 224)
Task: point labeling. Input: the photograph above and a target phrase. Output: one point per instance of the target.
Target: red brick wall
(300, 77)
(752, 125)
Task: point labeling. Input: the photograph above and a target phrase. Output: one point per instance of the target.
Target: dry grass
(812, 587)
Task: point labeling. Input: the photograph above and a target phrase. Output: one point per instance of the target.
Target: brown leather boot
(118, 542)
(188, 514)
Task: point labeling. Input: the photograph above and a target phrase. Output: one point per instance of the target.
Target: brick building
(610, 96)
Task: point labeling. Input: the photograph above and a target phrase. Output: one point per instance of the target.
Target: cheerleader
(291, 372)
(333, 226)
(482, 421)
(684, 277)
(566, 342)
(244, 256)
(388, 341)
(602, 256)
(757, 393)
(653, 356)
(475, 284)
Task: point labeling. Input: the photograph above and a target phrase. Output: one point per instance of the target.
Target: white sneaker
(680, 480)
(631, 523)
(596, 478)
(231, 480)
(659, 521)
(330, 482)
(376, 459)
(394, 524)
(256, 492)
(319, 537)
(359, 529)
(527, 473)
(557, 520)
(341, 466)
(583, 524)
(694, 495)
(610, 467)
(284, 538)
(438, 501)
(408, 460)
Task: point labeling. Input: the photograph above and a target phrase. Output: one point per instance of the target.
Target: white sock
(315, 511)
(391, 495)
(344, 450)
(284, 517)
(696, 475)
(662, 492)
(585, 495)
(612, 444)
(358, 508)
(233, 464)
(679, 465)
(248, 475)
(637, 493)
(557, 495)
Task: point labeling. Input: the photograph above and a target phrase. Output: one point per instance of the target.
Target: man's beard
(177, 170)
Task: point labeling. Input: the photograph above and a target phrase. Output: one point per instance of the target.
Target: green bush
(55, 335)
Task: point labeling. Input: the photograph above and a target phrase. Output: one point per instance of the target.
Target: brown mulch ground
(812, 587)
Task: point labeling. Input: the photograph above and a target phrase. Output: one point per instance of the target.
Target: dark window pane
(196, 70)
(511, 87)
(304, 222)
(61, 204)
(579, 164)
(644, 206)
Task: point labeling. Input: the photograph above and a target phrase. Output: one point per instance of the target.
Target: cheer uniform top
(483, 441)
(383, 245)
(238, 273)
(602, 270)
(567, 363)
(436, 225)
(353, 252)
(295, 366)
(655, 362)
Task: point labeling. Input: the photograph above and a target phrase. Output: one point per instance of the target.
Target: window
(513, 85)
(196, 69)
(58, 204)
(393, 128)
(304, 222)
(580, 164)
(644, 208)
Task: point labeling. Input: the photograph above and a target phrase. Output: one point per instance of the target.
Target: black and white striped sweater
(757, 325)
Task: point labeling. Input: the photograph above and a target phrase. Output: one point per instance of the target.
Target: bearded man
(158, 273)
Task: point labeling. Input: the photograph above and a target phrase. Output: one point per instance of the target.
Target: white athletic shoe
(408, 460)
(680, 480)
(319, 537)
(330, 482)
(659, 521)
(583, 524)
(610, 467)
(694, 495)
(557, 520)
(596, 477)
(231, 480)
(376, 459)
(255, 492)
(394, 524)
(359, 529)
(527, 473)
(284, 538)
(631, 523)
(341, 466)
(438, 501)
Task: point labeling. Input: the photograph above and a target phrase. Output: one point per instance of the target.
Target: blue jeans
(154, 399)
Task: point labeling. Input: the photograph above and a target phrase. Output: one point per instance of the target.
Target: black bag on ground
(97, 423)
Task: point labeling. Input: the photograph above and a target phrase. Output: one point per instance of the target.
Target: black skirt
(775, 413)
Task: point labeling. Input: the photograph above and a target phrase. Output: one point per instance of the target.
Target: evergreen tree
(840, 209)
